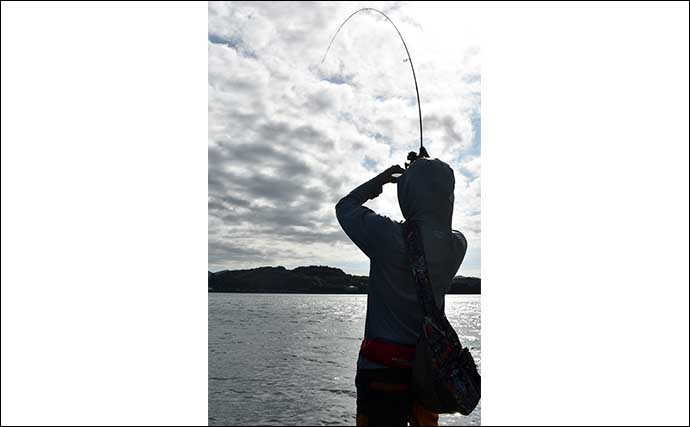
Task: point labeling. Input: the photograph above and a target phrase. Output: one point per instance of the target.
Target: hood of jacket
(426, 193)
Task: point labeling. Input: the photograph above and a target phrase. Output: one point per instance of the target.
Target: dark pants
(384, 398)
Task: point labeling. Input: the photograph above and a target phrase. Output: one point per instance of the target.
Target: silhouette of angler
(394, 317)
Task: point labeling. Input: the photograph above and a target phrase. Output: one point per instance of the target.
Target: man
(394, 316)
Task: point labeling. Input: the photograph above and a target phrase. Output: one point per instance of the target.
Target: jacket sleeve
(362, 225)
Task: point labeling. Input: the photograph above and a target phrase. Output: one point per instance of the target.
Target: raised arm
(361, 224)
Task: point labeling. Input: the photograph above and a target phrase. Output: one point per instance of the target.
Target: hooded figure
(394, 315)
(425, 195)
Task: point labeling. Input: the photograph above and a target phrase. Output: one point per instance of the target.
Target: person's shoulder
(460, 240)
(458, 235)
(381, 225)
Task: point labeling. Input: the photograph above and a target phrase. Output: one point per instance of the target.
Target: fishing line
(422, 150)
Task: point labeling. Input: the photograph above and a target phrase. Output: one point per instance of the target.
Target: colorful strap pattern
(452, 365)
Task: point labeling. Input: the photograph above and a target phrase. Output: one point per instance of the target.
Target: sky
(288, 135)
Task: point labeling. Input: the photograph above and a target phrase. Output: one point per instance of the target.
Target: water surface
(290, 359)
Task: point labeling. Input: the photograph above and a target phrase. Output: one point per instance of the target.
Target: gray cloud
(289, 136)
(447, 124)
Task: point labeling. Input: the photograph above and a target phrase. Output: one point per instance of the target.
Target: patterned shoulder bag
(445, 377)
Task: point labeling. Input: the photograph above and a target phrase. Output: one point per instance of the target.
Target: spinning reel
(412, 156)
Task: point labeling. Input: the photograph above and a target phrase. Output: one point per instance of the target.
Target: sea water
(290, 359)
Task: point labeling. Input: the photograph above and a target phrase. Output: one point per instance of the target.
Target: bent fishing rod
(412, 156)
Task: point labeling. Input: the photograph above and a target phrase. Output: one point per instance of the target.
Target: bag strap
(420, 271)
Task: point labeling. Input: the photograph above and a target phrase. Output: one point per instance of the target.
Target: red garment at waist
(387, 354)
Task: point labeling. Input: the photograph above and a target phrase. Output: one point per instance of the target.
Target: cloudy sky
(289, 136)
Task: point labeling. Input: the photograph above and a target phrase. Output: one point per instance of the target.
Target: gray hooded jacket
(425, 195)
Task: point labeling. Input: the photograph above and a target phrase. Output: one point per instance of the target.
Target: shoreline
(210, 291)
(310, 280)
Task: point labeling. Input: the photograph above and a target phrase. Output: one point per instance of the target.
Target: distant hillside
(309, 280)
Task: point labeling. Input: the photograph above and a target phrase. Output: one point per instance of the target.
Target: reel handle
(412, 156)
